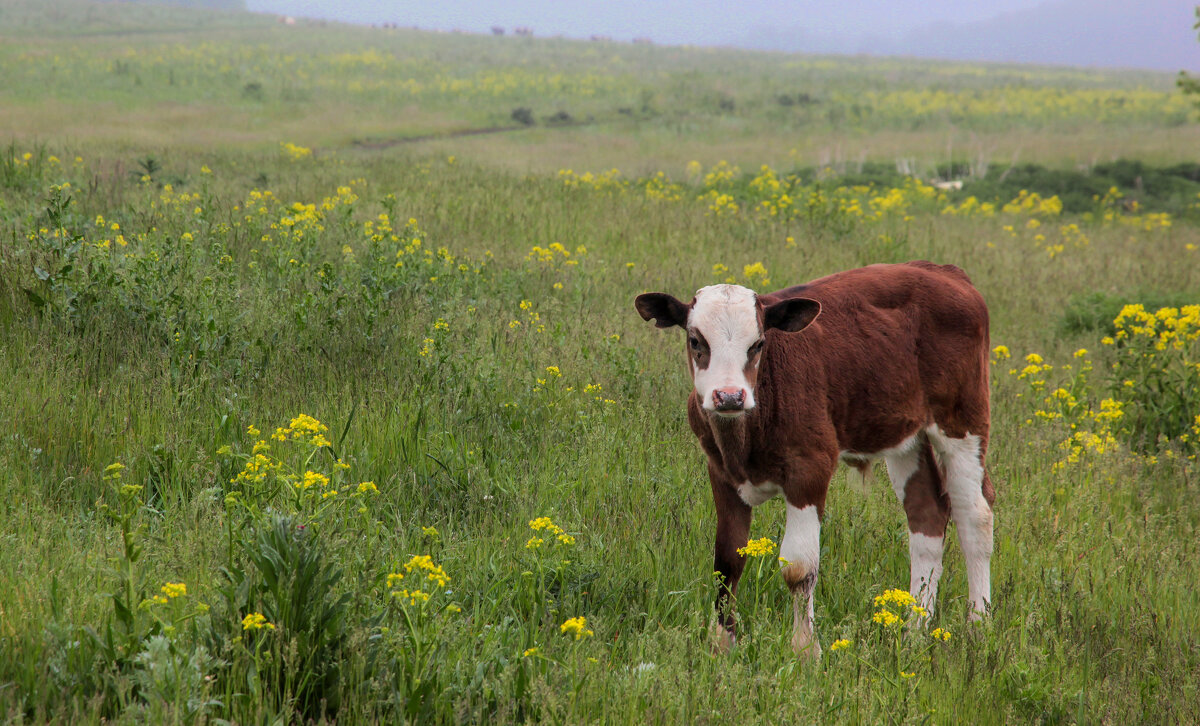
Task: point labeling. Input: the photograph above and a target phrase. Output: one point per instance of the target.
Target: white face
(724, 322)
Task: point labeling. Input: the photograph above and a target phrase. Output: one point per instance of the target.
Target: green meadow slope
(317, 407)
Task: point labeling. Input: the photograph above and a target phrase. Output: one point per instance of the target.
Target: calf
(892, 364)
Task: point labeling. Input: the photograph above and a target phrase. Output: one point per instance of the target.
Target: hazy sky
(1133, 33)
(666, 21)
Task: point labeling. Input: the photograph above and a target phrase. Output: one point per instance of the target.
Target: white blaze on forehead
(727, 317)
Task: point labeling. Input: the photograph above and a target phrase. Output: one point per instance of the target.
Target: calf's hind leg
(971, 497)
(918, 484)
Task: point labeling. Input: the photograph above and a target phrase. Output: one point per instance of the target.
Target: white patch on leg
(902, 462)
(925, 568)
(924, 552)
(756, 494)
(971, 513)
(802, 546)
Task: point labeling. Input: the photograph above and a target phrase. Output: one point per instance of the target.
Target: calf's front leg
(733, 531)
(801, 552)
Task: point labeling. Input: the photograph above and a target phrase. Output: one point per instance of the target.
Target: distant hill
(1153, 34)
(1148, 34)
(68, 17)
(210, 4)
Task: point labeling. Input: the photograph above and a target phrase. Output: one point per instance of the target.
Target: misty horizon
(1157, 34)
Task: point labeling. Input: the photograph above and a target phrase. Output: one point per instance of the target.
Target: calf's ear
(791, 315)
(663, 309)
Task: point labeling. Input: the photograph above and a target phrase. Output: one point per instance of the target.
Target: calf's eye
(695, 343)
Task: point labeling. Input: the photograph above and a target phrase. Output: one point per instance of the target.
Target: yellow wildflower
(256, 621)
(576, 626)
(757, 548)
(895, 597)
(312, 478)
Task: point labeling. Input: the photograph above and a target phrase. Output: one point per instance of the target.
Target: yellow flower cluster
(294, 152)
(722, 174)
(576, 626)
(606, 181)
(256, 621)
(902, 601)
(758, 548)
(256, 469)
(839, 644)
(313, 478)
(555, 252)
(303, 427)
(1174, 327)
(660, 188)
(1035, 367)
(433, 572)
(545, 524)
(418, 564)
(720, 204)
(1033, 203)
(756, 274)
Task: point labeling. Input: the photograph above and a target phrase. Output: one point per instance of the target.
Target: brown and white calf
(884, 362)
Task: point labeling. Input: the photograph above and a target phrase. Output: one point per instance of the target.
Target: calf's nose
(729, 398)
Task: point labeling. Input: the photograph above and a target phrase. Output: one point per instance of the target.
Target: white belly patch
(756, 494)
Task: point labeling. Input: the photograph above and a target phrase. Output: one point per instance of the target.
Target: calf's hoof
(807, 647)
(722, 640)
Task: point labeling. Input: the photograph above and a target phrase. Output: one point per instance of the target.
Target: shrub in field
(1157, 365)
(281, 624)
(138, 655)
(1147, 398)
(524, 116)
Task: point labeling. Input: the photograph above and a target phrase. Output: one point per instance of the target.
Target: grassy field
(286, 398)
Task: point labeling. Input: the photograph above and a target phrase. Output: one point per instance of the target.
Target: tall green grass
(165, 350)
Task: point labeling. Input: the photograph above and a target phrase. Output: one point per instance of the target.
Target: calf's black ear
(791, 315)
(663, 309)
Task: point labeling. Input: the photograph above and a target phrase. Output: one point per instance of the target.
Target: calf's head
(726, 329)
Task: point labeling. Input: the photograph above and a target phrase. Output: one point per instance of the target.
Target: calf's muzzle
(729, 399)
